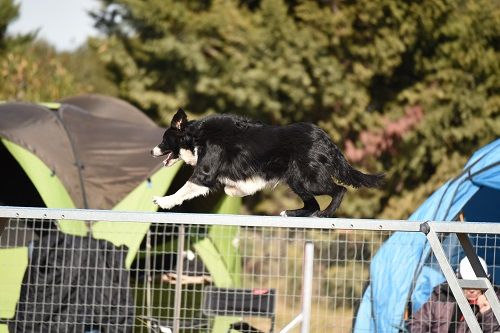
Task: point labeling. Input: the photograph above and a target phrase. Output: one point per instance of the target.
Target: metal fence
(195, 272)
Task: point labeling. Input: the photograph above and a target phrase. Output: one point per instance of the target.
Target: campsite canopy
(96, 146)
(396, 282)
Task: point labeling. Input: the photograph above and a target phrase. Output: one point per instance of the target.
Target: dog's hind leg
(311, 206)
(336, 192)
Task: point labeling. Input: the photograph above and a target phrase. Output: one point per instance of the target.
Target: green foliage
(34, 72)
(410, 88)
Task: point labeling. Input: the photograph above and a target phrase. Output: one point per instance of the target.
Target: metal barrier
(88, 284)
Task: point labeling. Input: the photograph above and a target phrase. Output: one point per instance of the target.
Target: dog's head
(170, 146)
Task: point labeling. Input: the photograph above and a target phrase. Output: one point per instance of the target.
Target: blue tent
(403, 271)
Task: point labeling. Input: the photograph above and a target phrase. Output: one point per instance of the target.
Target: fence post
(304, 317)
(307, 286)
(149, 279)
(178, 280)
(451, 278)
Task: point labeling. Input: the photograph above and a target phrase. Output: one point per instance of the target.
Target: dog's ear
(179, 120)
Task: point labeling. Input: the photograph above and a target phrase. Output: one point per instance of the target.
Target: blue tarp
(393, 278)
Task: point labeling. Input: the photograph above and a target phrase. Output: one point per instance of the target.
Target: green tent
(90, 151)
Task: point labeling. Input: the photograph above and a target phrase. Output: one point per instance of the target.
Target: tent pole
(149, 279)
(451, 278)
(178, 280)
(76, 155)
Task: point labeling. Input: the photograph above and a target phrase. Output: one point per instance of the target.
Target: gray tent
(96, 146)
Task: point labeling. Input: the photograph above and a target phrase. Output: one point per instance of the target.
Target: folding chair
(224, 302)
(240, 302)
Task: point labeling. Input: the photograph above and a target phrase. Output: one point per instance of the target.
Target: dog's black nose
(151, 151)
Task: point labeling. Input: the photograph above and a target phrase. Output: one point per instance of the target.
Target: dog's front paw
(164, 202)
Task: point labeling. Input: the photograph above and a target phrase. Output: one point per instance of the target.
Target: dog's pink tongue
(165, 161)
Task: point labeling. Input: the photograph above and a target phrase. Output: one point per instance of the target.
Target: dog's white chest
(188, 157)
(241, 188)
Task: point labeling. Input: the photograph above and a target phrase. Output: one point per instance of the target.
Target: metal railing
(253, 252)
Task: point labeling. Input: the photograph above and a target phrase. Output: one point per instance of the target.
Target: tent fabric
(99, 155)
(39, 174)
(48, 185)
(38, 130)
(109, 107)
(90, 152)
(391, 278)
(114, 154)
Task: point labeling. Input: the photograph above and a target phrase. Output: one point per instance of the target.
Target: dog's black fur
(243, 155)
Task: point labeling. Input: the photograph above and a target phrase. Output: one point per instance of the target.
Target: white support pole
(178, 281)
(149, 280)
(304, 317)
(451, 278)
(307, 286)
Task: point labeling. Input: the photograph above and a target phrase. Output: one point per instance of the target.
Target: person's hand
(483, 303)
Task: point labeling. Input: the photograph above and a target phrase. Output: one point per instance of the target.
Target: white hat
(466, 271)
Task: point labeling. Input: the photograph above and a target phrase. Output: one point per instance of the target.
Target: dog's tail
(348, 175)
(356, 178)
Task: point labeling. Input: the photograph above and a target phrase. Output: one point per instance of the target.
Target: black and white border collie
(244, 157)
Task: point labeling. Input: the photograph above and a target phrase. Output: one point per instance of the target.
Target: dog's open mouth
(168, 158)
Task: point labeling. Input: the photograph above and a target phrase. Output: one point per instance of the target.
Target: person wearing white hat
(474, 296)
(441, 314)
